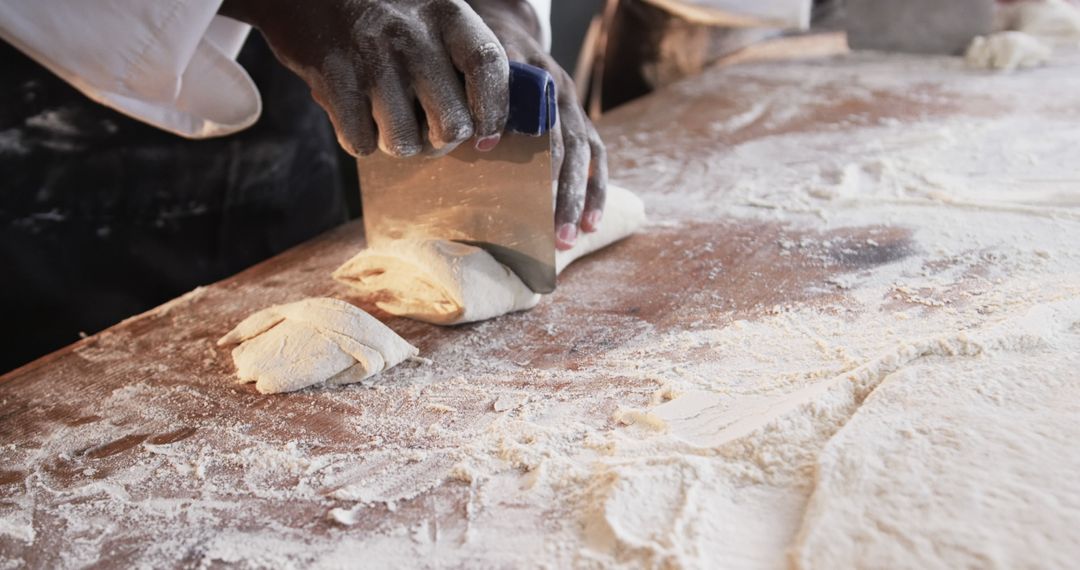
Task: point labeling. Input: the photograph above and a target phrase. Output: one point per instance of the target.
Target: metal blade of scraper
(502, 201)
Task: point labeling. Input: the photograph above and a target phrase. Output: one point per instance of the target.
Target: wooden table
(135, 446)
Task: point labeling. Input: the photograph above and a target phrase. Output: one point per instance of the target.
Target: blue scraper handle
(533, 109)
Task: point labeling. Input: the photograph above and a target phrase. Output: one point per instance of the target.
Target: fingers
(392, 109)
(339, 93)
(371, 95)
(596, 190)
(444, 102)
(579, 160)
(573, 174)
(478, 55)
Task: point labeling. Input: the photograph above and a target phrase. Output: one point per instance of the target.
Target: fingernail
(485, 144)
(567, 235)
(592, 220)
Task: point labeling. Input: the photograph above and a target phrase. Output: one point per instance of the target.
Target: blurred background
(569, 22)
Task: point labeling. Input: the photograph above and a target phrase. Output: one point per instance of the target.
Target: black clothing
(103, 217)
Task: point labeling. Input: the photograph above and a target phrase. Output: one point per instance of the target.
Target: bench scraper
(502, 201)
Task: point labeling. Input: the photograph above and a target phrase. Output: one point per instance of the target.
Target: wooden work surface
(91, 426)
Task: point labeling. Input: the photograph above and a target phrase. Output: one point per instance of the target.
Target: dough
(1007, 51)
(1034, 28)
(314, 341)
(959, 464)
(447, 283)
(1056, 21)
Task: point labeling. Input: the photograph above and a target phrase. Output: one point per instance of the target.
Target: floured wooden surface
(818, 229)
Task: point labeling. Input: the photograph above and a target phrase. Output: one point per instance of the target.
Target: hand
(368, 61)
(579, 158)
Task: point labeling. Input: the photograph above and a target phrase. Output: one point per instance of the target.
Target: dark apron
(103, 217)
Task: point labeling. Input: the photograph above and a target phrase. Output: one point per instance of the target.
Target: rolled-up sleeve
(169, 63)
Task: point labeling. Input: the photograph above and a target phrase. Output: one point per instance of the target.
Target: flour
(962, 465)
(446, 283)
(507, 402)
(774, 416)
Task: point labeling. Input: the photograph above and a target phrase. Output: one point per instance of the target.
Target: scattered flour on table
(752, 455)
(955, 463)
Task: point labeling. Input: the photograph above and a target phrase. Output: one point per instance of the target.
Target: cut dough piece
(448, 283)
(288, 347)
(959, 463)
(437, 281)
(1008, 51)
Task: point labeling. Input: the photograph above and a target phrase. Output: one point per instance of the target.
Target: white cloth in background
(168, 63)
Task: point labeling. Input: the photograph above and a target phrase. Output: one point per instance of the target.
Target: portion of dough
(1055, 21)
(289, 347)
(972, 465)
(448, 283)
(1033, 28)
(1008, 51)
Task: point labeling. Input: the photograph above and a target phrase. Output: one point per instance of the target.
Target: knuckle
(543, 62)
(393, 28)
(575, 143)
(599, 150)
(571, 211)
(488, 57)
(442, 9)
(568, 209)
(537, 60)
(397, 27)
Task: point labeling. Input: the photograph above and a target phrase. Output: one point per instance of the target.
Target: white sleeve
(543, 14)
(169, 63)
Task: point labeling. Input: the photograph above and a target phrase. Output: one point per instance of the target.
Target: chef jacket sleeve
(168, 63)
